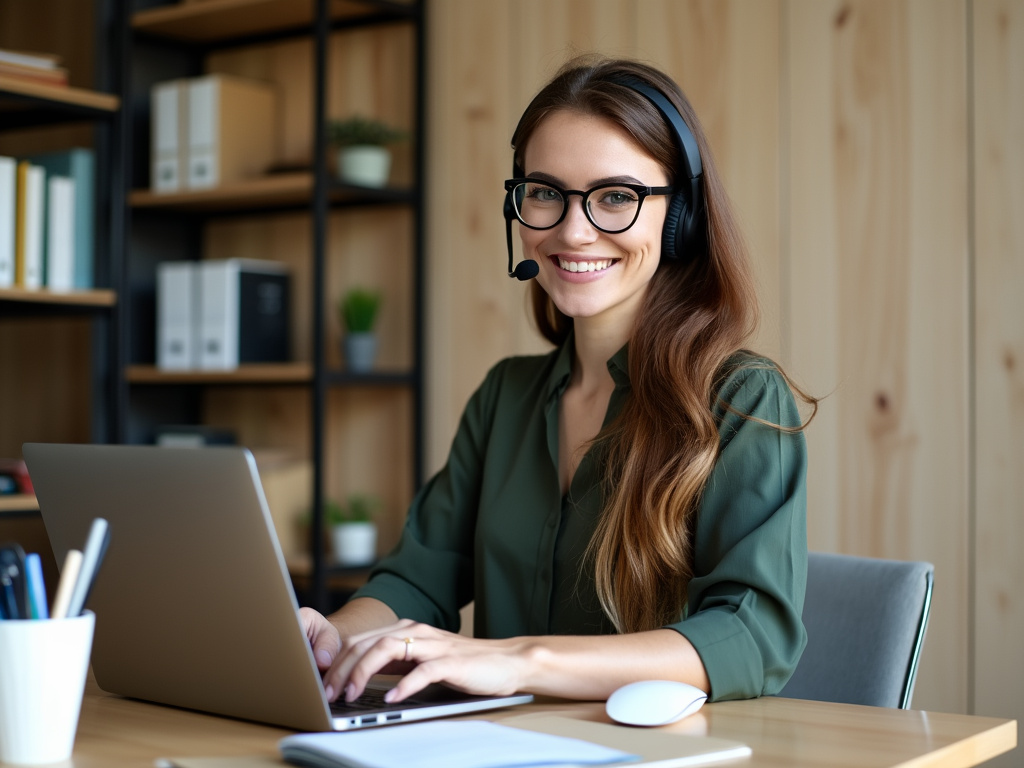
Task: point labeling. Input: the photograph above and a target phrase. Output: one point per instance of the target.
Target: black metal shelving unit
(166, 47)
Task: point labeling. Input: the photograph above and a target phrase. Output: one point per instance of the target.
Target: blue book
(78, 164)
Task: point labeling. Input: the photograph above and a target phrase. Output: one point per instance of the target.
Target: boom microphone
(525, 270)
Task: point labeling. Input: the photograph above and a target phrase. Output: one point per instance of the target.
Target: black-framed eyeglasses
(611, 208)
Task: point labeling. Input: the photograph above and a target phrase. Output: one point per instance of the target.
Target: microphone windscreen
(526, 270)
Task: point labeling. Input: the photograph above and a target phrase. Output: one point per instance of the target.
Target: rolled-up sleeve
(745, 600)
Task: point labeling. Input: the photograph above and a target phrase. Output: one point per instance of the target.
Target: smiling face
(590, 275)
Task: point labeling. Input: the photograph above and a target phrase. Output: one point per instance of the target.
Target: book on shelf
(8, 210)
(210, 130)
(32, 59)
(31, 75)
(79, 165)
(28, 227)
(59, 273)
(41, 68)
(219, 314)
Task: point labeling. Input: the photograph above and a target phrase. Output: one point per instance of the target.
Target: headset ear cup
(673, 237)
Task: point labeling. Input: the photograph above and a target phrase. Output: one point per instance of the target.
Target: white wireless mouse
(654, 702)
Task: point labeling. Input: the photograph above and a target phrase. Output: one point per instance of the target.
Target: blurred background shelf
(27, 104)
(98, 297)
(18, 503)
(218, 21)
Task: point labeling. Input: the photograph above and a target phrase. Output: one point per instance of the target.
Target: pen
(68, 577)
(92, 557)
(38, 608)
(9, 605)
(12, 581)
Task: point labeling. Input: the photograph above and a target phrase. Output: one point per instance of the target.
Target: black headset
(684, 236)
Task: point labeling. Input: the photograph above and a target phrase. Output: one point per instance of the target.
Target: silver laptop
(194, 606)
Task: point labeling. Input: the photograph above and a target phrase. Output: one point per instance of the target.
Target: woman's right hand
(323, 637)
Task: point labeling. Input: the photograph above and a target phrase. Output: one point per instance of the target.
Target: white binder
(218, 314)
(33, 222)
(243, 313)
(230, 130)
(177, 331)
(168, 135)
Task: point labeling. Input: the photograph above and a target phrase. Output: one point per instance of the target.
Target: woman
(632, 505)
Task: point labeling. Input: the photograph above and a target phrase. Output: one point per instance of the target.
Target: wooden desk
(783, 733)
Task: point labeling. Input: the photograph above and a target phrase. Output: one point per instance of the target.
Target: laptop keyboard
(372, 698)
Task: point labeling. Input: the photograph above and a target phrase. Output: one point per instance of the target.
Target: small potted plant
(363, 154)
(357, 310)
(353, 531)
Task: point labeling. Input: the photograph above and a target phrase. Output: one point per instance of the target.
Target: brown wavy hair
(698, 311)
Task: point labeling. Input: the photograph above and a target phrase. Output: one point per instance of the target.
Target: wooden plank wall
(998, 370)
(878, 218)
(844, 131)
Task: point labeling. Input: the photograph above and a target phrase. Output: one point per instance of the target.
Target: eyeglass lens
(609, 208)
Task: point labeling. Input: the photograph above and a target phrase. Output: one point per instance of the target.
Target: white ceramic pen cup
(43, 666)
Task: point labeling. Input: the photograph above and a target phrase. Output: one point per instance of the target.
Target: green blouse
(492, 526)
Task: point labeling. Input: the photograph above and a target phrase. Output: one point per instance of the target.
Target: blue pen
(36, 587)
(9, 603)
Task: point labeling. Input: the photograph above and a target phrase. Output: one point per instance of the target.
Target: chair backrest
(866, 621)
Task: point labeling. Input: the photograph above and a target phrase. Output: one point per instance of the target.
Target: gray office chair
(866, 621)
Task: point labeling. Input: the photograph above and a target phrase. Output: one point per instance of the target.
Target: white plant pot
(354, 543)
(360, 351)
(365, 165)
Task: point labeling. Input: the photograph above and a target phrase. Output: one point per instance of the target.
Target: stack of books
(47, 220)
(42, 68)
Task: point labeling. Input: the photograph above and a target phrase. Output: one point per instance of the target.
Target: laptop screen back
(194, 605)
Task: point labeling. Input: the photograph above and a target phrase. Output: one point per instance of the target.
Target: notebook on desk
(194, 605)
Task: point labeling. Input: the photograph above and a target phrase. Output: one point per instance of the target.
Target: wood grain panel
(45, 382)
(726, 57)
(372, 248)
(878, 299)
(471, 304)
(998, 87)
(269, 418)
(367, 73)
(371, 452)
(287, 65)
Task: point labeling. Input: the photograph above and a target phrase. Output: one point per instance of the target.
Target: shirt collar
(618, 367)
(558, 379)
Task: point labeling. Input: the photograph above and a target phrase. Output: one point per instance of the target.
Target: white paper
(445, 744)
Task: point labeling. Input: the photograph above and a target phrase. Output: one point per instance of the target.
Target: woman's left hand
(425, 655)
